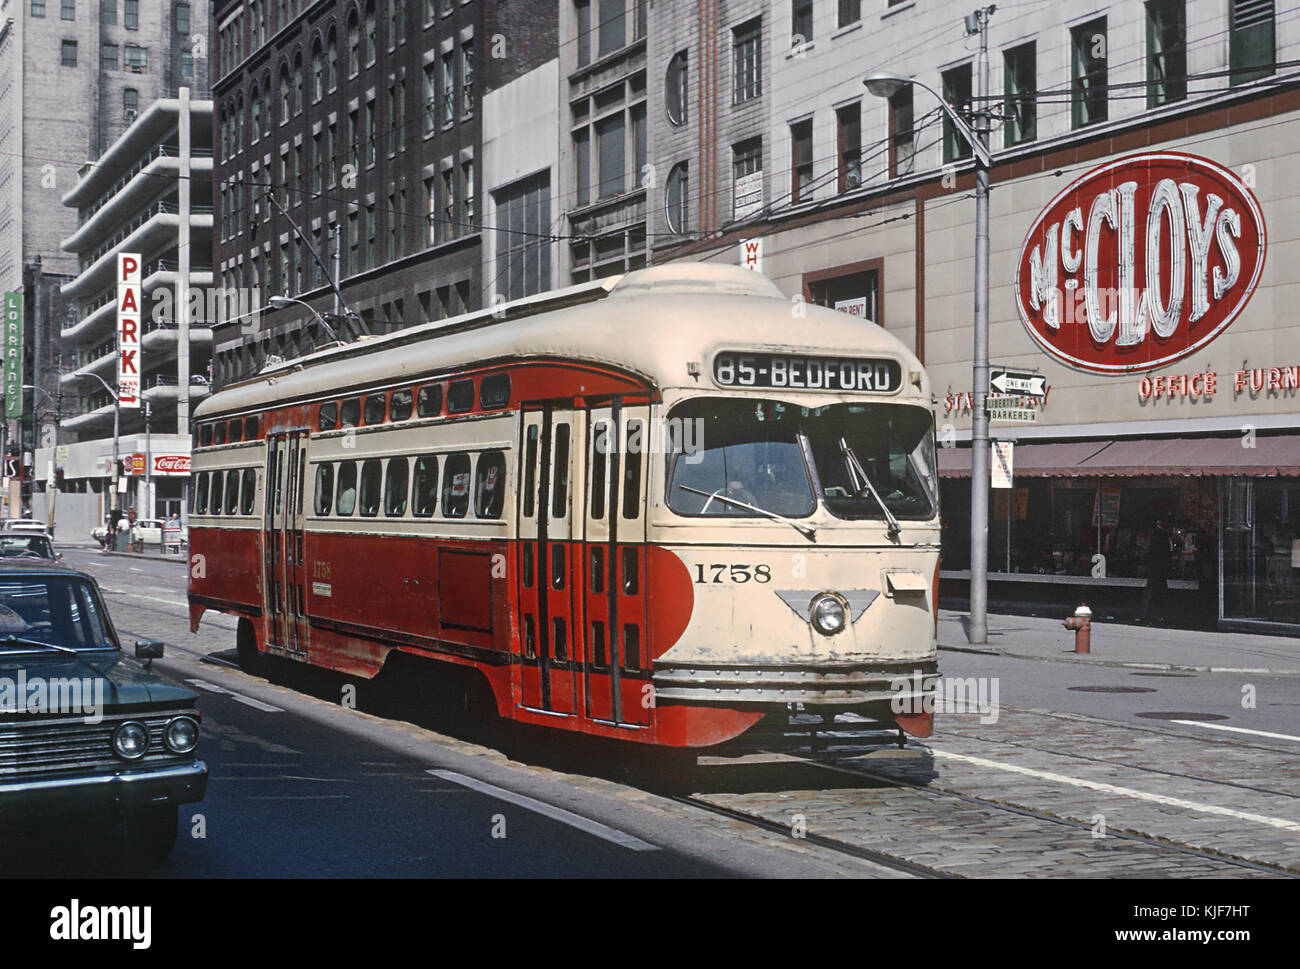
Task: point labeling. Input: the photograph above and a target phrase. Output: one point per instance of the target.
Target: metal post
(148, 464)
(182, 292)
(977, 628)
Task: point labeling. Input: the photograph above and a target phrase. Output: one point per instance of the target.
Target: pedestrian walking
(1157, 588)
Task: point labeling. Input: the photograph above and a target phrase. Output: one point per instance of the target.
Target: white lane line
(239, 697)
(1123, 791)
(554, 813)
(1220, 726)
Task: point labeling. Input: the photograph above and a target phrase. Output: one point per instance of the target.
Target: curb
(154, 556)
(1120, 664)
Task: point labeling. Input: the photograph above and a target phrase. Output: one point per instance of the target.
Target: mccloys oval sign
(1140, 262)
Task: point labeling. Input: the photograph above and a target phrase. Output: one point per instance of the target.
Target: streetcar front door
(282, 540)
(547, 659)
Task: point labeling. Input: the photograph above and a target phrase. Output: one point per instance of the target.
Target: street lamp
(885, 86)
(281, 302)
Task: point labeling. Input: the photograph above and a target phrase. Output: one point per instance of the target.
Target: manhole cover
(1182, 716)
(1170, 675)
(1113, 689)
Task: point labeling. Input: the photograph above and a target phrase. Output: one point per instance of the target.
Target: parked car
(88, 732)
(24, 525)
(25, 544)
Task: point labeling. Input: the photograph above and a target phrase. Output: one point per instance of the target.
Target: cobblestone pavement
(1209, 806)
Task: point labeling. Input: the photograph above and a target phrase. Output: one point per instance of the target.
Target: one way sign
(1022, 382)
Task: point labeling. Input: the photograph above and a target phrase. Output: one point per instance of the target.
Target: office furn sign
(12, 347)
(129, 303)
(1140, 263)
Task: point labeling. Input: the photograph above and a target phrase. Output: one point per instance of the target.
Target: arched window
(354, 44)
(332, 61)
(297, 84)
(371, 46)
(675, 89)
(678, 198)
(317, 72)
(285, 104)
(221, 127)
(239, 127)
(255, 120)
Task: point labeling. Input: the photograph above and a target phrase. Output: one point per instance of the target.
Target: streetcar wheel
(246, 648)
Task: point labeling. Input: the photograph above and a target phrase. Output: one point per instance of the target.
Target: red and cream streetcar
(655, 508)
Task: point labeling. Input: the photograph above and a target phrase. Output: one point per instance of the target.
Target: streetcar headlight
(828, 614)
(181, 735)
(130, 740)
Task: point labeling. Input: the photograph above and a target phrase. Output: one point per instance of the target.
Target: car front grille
(69, 745)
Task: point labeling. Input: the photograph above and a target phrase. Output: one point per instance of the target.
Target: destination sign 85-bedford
(797, 372)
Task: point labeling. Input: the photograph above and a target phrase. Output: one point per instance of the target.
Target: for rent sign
(13, 355)
(129, 301)
(1140, 262)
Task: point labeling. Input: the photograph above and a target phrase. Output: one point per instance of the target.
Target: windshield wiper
(19, 641)
(806, 530)
(856, 471)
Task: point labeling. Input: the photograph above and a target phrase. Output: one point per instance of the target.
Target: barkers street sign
(1140, 262)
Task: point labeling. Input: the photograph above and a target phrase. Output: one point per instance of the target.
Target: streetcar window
(328, 418)
(632, 473)
(219, 433)
(559, 648)
(350, 412)
(600, 445)
(372, 473)
(248, 491)
(429, 401)
(598, 644)
(597, 570)
(631, 646)
(194, 436)
(395, 486)
(630, 578)
(252, 427)
(424, 485)
(490, 485)
(324, 488)
(374, 409)
(560, 460)
(205, 435)
(236, 431)
(399, 405)
(455, 486)
(215, 503)
(460, 396)
(530, 471)
(302, 481)
(526, 566)
(494, 392)
(557, 566)
(347, 488)
(232, 491)
(201, 495)
(530, 638)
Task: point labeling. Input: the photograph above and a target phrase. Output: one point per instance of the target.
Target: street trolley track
(1020, 810)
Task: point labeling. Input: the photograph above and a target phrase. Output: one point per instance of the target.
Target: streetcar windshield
(745, 457)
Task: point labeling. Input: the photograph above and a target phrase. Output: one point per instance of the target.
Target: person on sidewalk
(1156, 593)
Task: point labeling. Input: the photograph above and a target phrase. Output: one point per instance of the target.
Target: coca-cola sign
(1140, 262)
(171, 464)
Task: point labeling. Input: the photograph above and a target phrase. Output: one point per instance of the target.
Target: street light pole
(117, 422)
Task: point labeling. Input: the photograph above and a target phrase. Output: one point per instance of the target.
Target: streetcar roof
(652, 322)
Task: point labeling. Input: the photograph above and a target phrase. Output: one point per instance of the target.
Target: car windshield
(730, 452)
(29, 546)
(58, 610)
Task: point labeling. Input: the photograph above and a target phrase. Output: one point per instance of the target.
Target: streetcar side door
(615, 668)
(546, 659)
(273, 594)
(291, 528)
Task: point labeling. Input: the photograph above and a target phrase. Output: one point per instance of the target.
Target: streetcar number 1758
(719, 574)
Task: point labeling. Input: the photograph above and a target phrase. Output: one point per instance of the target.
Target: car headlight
(131, 740)
(181, 735)
(828, 614)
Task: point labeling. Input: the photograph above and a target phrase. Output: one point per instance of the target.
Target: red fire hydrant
(1081, 623)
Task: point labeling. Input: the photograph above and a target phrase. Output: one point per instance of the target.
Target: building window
(372, 48)
(68, 10)
(354, 45)
(848, 145)
(130, 103)
(38, 8)
(675, 89)
(747, 177)
(1020, 73)
(135, 58)
(957, 92)
(370, 132)
(297, 84)
(611, 152)
(582, 10)
(582, 165)
(108, 13)
(801, 22)
(523, 256)
(69, 53)
(285, 103)
(448, 88)
(431, 207)
(612, 31)
(430, 99)
(677, 195)
(187, 63)
(467, 193)
(1089, 88)
(467, 78)
(450, 225)
(902, 138)
(855, 293)
(1166, 52)
(108, 57)
(181, 18)
(1252, 41)
(354, 141)
(317, 73)
(801, 168)
(332, 61)
(131, 14)
(850, 12)
(746, 45)
(330, 140)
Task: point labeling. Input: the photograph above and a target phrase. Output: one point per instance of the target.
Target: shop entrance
(1261, 550)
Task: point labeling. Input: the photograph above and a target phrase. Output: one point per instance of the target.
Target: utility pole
(184, 198)
(977, 630)
(148, 463)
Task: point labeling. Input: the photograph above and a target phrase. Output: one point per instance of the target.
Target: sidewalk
(1117, 644)
(150, 552)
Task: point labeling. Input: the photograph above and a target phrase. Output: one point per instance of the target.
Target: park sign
(129, 302)
(13, 355)
(1140, 262)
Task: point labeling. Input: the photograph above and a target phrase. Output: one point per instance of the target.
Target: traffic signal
(58, 478)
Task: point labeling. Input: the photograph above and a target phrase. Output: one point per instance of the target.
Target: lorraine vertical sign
(13, 355)
(129, 306)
